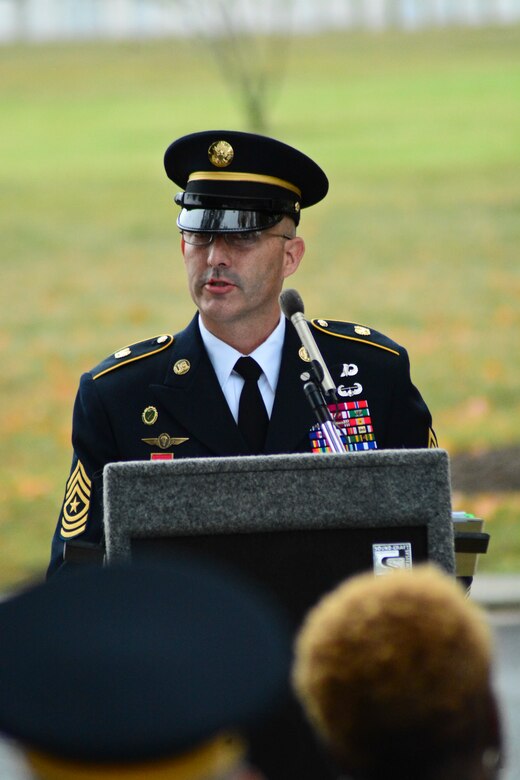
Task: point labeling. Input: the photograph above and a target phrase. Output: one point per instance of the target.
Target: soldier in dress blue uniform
(178, 396)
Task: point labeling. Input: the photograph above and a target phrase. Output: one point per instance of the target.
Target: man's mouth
(219, 285)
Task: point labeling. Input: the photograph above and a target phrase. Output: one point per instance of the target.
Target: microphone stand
(312, 388)
(318, 384)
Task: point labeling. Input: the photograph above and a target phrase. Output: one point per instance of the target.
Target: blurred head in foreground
(141, 671)
(394, 673)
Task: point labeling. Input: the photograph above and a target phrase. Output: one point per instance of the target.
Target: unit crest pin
(150, 415)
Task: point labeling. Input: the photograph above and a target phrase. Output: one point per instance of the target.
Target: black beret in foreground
(138, 662)
(240, 181)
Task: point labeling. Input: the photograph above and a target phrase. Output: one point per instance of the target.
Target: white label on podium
(388, 557)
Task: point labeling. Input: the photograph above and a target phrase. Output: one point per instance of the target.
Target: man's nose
(218, 252)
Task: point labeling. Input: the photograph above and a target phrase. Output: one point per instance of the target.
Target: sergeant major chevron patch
(76, 503)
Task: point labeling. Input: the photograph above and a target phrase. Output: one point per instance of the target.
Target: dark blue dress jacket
(161, 399)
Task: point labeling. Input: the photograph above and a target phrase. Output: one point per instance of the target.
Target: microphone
(292, 307)
(321, 410)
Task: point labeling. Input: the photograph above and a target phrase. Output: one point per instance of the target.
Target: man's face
(233, 285)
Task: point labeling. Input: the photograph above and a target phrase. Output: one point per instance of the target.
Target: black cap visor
(225, 220)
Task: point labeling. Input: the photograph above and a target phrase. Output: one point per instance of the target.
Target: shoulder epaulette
(133, 352)
(354, 332)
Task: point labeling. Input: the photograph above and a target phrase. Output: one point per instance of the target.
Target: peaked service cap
(138, 662)
(236, 181)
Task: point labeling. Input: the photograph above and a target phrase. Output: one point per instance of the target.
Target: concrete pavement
(496, 591)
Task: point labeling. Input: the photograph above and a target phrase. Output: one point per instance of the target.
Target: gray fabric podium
(296, 524)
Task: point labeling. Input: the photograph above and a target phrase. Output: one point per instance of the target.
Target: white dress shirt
(223, 358)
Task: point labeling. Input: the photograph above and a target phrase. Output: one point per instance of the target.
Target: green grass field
(418, 236)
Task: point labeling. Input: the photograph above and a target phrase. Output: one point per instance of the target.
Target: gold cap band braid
(238, 176)
(212, 758)
(230, 163)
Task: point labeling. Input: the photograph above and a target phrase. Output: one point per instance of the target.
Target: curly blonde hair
(395, 671)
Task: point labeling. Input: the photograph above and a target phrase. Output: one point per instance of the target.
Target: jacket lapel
(292, 416)
(194, 398)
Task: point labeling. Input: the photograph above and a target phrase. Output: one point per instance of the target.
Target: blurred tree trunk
(21, 19)
(249, 43)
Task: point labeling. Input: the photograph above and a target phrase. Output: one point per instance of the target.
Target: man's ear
(294, 251)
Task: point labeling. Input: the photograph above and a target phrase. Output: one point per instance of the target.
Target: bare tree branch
(251, 61)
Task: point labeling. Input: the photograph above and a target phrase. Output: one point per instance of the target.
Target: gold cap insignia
(304, 355)
(150, 415)
(123, 353)
(362, 331)
(323, 323)
(182, 367)
(221, 154)
(164, 440)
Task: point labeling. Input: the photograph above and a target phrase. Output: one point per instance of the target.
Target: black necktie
(252, 414)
